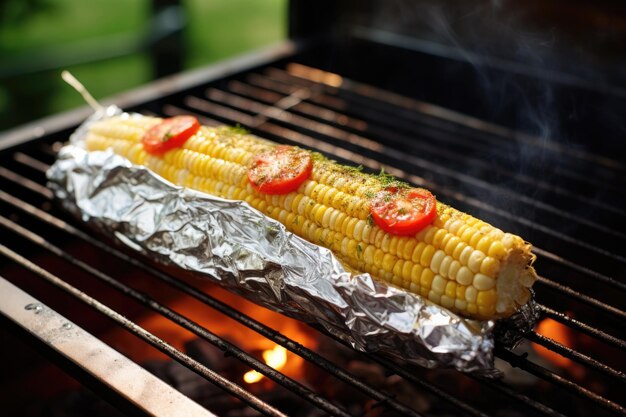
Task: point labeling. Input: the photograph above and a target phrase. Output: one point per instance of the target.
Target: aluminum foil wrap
(237, 246)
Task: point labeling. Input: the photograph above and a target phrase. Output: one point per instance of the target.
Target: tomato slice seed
(171, 133)
(403, 211)
(280, 170)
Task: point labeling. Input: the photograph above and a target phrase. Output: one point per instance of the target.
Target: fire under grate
(464, 161)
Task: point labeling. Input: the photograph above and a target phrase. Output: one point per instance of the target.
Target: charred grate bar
(208, 300)
(351, 121)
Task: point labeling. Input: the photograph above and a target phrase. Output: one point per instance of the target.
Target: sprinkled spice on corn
(457, 261)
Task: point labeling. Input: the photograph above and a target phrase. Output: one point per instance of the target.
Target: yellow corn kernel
(490, 266)
(470, 294)
(460, 292)
(426, 278)
(416, 273)
(465, 254)
(455, 225)
(486, 311)
(464, 276)
(509, 240)
(445, 266)
(417, 252)
(454, 268)
(484, 244)
(447, 302)
(434, 297)
(438, 237)
(452, 245)
(451, 289)
(397, 268)
(388, 261)
(436, 260)
(439, 284)
(475, 260)
(497, 250)
(368, 254)
(482, 282)
(486, 298)
(426, 235)
(407, 273)
(409, 247)
(475, 239)
(427, 255)
(456, 254)
(467, 234)
(393, 245)
(445, 240)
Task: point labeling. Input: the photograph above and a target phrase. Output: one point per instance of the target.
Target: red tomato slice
(280, 170)
(403, 211)
(169, 134)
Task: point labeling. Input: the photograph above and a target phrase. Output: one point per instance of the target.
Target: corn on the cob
(458, 261)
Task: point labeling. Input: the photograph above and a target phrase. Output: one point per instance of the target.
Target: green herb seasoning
(238, 129)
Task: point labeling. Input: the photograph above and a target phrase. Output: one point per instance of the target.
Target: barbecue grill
(353, 87)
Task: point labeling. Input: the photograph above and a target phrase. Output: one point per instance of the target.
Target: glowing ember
(314, 74)
(559, 333)
(275, 358)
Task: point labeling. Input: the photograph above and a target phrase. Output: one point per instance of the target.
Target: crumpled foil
(238, 247)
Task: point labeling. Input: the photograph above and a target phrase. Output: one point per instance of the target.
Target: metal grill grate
(463, 160)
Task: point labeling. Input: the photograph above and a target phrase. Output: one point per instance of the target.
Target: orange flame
(275, 358)
(242, 336)
(562, 334)
(559, 333)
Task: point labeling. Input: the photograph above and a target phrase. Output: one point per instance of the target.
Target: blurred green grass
(216, 29)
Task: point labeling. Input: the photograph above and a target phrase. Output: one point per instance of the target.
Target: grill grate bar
(249, 322)
(520, 361)
(205, 106)
(480, 141)
(336, 116)
(267, 332)
(574, 355)
(579, 268)
(232, 101)
(26, 183)
(397, 156)
(90, 357)
(224, 308)
(504, 388)
(175, 111)
(228, 348)
(589, 181)
(380, 114)
(239, 117)
(387, 97)
(406, 374)
(282, 114)
(29, 161)
(148, 337)
(19, 179)
(188, 289)
(582, 297)
(217, 305)
(305, 105)
(591, 331)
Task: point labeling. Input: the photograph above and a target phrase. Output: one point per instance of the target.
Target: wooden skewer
(71, 80)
